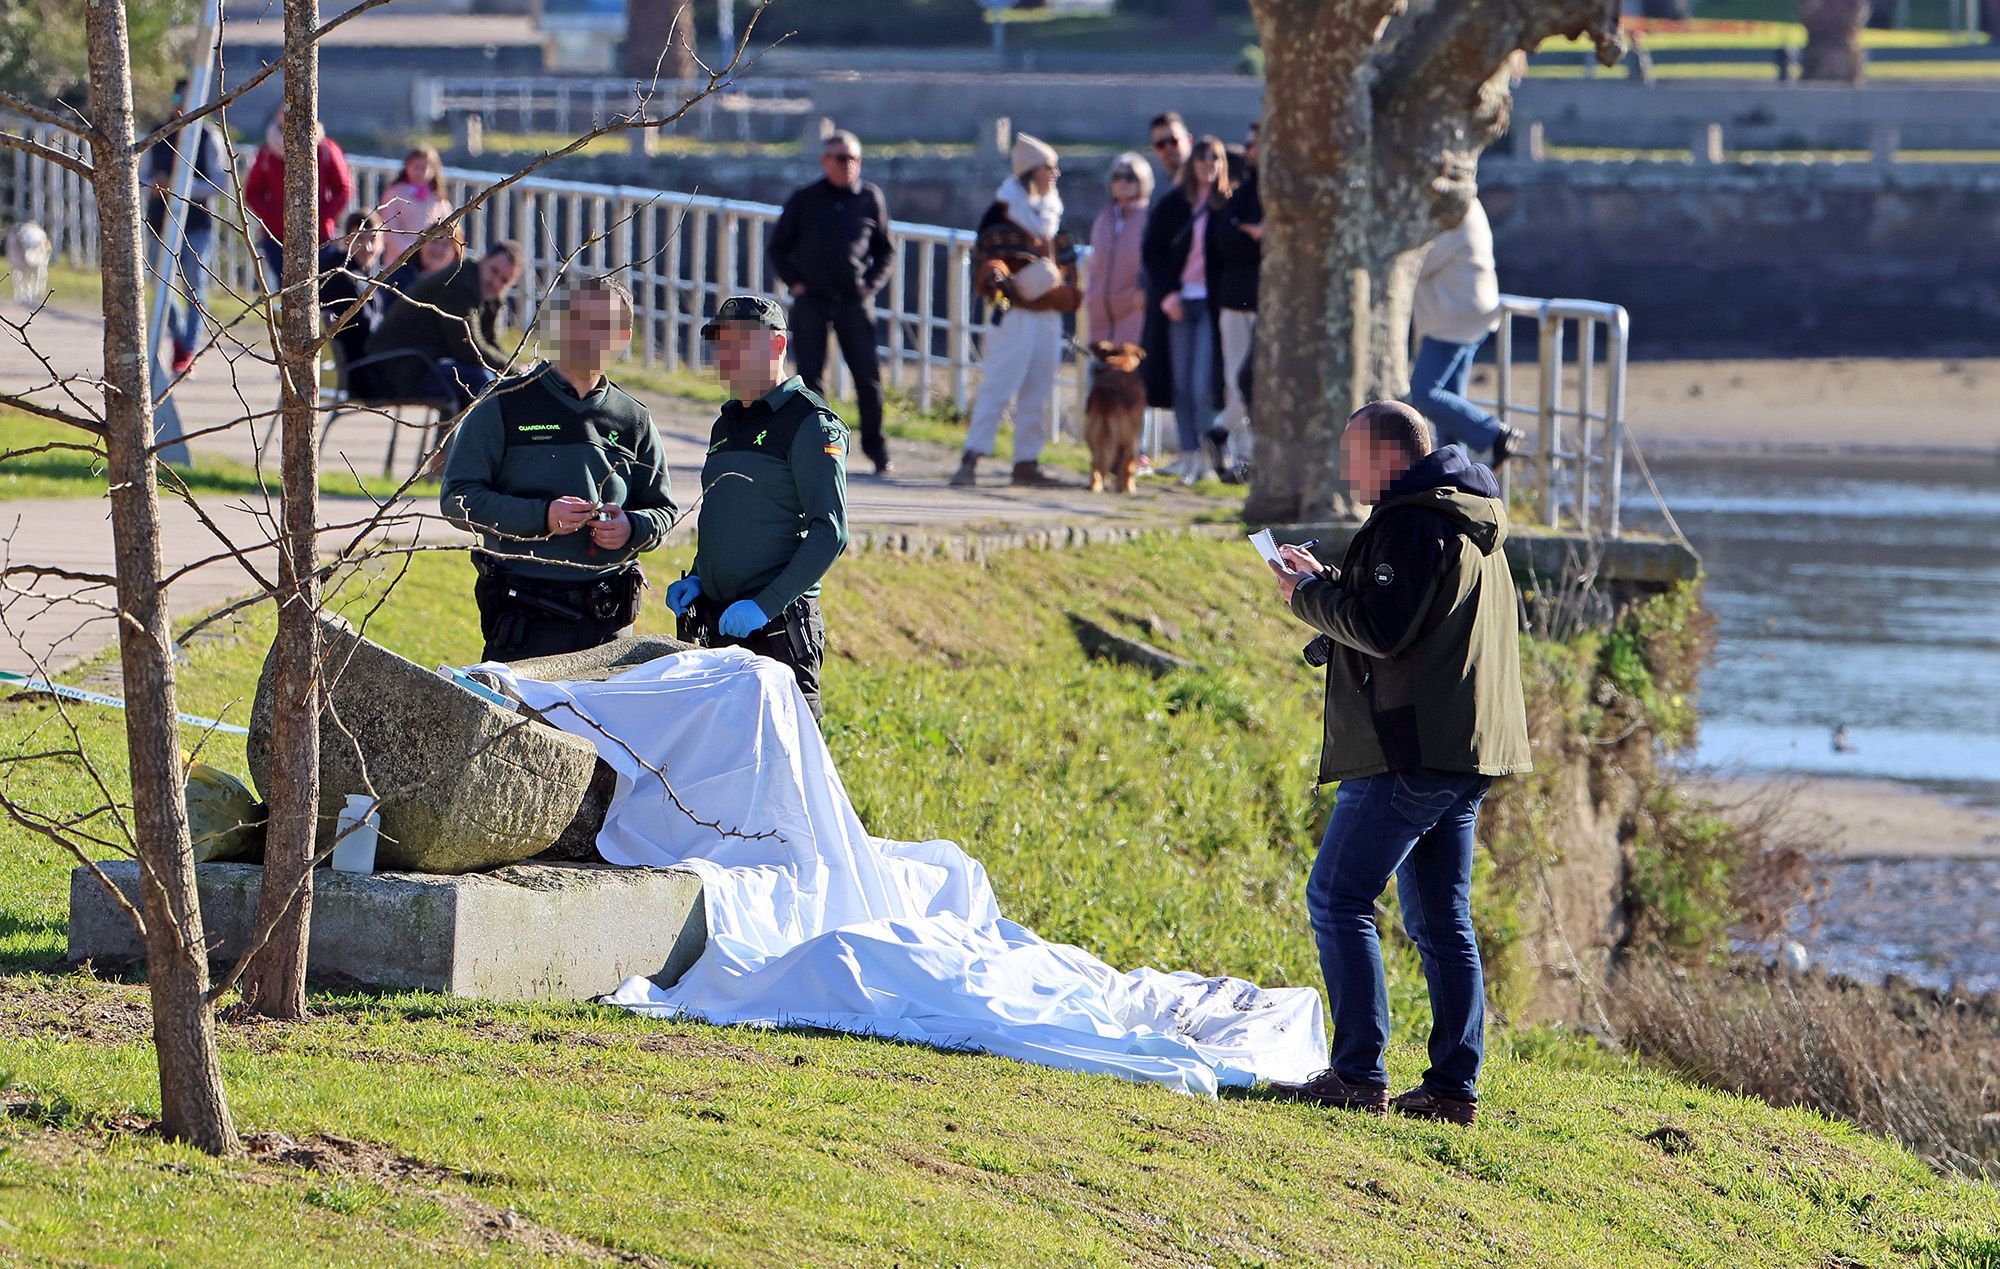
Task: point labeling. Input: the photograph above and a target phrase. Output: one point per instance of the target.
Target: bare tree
(1833, 40)
(1375, 112)
(276, 982)
(193, 1108)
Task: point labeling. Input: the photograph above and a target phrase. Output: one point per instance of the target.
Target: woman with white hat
(1025, 267)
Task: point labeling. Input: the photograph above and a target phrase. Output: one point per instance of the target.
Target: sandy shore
(1841, 404)
(1872, 818)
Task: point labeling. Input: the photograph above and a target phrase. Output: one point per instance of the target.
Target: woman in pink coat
(414, 203)
(1114, 300)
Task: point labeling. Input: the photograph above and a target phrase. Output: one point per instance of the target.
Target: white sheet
(812, 922)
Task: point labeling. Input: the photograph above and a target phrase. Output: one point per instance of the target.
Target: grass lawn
(70, 473)
(1153, 822)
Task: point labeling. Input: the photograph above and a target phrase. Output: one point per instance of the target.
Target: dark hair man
(211, 167)
(451, 318)
(1423, 708)
(831, 246)
(563, 475)
(1172, 143)
(773, 506)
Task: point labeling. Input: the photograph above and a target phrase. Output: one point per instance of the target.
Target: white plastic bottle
(358, 827)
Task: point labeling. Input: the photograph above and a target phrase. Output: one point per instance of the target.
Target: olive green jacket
(1426, 671)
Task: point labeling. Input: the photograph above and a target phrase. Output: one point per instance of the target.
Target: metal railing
(1579, 448)
(571, 104)
(682, 253)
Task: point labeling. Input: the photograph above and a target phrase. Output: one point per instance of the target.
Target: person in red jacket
(264, 194)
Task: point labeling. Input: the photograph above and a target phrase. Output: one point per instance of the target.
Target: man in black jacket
(1419, 633)
(831, 246)
(450, 318)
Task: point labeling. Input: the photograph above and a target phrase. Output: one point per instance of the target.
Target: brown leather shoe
(1329, 1090)
(1422, 1103)
(968, 471)
(1031, 475)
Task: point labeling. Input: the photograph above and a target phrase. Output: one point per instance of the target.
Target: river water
(1860, 599)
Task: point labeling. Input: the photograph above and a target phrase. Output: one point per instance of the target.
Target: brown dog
(1113, 414)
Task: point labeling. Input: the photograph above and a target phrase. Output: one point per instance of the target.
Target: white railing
(572, 104)
(682, 253)
(1579, 457)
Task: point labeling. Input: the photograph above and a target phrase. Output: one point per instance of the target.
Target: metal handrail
(1579, 450)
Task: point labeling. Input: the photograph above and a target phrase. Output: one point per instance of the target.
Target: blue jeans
(1437, 389)
(1416, 826)
(458, 381)
(1191, 342)
(184, 320)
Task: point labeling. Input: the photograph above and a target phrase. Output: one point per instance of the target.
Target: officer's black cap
(753, 309)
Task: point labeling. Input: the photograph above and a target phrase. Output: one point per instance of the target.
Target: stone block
(524, 932)
(464, 785)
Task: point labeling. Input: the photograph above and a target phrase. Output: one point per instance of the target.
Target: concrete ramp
(523, 932)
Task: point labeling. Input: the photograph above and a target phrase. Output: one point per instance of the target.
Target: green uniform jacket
(774, 499)
(532, 440)
(1427, 671)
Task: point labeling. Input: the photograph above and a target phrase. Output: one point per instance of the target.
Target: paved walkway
(219, 412)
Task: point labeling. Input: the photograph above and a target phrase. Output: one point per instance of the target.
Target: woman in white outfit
(1025, 268)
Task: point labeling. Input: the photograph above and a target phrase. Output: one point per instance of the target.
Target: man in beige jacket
(1457, 305)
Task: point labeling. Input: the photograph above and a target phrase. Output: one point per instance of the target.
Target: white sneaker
(1189, 467)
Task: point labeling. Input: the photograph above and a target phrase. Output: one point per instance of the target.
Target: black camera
(1318, 652)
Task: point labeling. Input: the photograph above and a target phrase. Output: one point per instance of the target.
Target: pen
(1308, 544)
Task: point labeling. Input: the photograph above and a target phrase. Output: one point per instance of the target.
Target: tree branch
(35, 149)
(8, 101)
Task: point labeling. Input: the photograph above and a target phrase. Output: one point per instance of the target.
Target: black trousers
(516, 630)
(797, 639)
(812, 315)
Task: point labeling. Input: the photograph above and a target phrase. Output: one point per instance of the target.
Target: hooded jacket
(1426, 668)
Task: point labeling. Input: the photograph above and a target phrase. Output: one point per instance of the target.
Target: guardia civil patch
(1384, 574)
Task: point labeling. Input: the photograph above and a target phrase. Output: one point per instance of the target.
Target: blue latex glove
(682, 594)
(741, 619)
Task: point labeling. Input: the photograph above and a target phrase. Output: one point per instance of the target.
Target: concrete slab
(524, 932)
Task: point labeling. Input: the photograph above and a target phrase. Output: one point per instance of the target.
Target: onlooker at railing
(831, 247)
(1176, 252)
(1457, 305)
(346, 266)
(1023, 266)
(201, 140)
(1114, 298)
(447, 323)
(414, 203)
(1171, 145)
(264, 194)
(1235, 259)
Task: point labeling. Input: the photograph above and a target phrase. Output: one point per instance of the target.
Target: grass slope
(1161, 823)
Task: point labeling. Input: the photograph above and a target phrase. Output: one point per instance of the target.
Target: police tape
(43, 686)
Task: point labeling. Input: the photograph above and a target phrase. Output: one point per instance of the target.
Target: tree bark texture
(275, 983)
(655, 25)
(192, 1105)
(1833, 40)
(1375, 112)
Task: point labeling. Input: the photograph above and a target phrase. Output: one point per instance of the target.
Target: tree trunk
(192, 1107)
(1375, 113)
(275, 983)
(654, 26)
(1833, 40)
